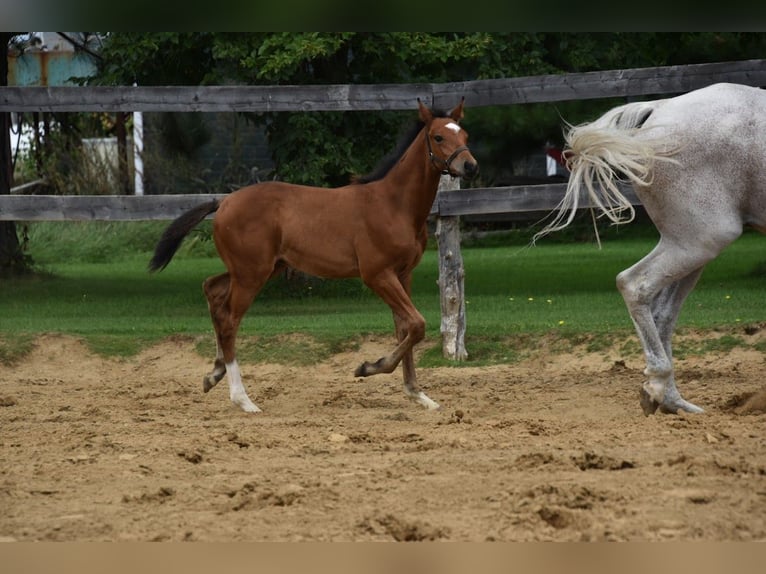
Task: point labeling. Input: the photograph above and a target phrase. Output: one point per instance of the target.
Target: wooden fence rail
(448, 203)
(97, 207)
(374, 97)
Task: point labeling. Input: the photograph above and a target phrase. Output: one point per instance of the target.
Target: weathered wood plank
(97, 207)
(517, 199)
(341, 97)
(605, 84)
(477, 201)
(372, 97)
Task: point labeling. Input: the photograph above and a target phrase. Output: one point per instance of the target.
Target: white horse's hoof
(648, 404)
(668, 407)
(672, 407)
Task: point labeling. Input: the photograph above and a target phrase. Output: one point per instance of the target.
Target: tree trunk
(12, 260)
(451, 285)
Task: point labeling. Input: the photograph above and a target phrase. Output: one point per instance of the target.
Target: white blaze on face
(453, 126)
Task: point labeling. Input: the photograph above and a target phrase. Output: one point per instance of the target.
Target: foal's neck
(414, 180)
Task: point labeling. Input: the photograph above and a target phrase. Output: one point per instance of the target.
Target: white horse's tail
(603, 151)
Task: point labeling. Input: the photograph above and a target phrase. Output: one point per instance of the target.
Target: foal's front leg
(219, 369)
(408, 371)
(410, 329)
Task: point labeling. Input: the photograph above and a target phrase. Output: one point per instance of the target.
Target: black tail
(174, 234)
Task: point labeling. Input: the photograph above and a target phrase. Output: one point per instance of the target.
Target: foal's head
(448, 142)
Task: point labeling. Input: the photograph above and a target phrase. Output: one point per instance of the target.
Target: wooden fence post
(451, 272)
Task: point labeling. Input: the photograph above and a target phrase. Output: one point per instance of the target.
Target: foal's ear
(425, 114)
(456, 113)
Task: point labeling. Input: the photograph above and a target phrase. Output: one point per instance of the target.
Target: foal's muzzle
(469, 167)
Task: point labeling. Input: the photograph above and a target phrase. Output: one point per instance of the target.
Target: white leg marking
(237, 392)
(423, 399)
(427, 402)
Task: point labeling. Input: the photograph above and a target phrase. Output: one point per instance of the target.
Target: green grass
(95, 286)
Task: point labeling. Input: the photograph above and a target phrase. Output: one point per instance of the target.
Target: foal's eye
(438, 139)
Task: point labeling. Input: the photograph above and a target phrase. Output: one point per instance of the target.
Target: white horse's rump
(697, 162)
(596, 151)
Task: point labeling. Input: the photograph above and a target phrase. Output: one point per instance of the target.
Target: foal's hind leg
(216, 288)
(228, 302)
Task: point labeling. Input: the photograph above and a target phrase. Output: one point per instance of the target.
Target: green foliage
(156, 59)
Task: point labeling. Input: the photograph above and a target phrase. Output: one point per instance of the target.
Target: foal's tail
(174, 234)
(604, 151)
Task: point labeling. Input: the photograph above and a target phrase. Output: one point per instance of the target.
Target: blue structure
(54, 64)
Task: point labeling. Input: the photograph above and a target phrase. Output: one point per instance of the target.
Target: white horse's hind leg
(665, 309)
(654, 290)
(237, 392)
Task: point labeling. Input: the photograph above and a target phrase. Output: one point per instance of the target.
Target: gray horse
(697, 162)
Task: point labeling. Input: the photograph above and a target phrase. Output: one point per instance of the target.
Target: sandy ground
(554, 448)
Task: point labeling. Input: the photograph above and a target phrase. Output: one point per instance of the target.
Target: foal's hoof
(244, 403)
(212, 379)
(366, 369)
(427, 402)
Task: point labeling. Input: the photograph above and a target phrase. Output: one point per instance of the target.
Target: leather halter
(446, 170)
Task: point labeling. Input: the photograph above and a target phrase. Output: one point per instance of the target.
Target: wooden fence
(450, 202)
(507, 91)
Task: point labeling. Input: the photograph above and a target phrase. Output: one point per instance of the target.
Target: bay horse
(373, 228)
(697, 163)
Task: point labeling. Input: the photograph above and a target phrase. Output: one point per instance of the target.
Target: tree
(322, 148)
(13, 261)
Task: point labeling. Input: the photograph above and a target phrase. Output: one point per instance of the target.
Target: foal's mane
(390, 160)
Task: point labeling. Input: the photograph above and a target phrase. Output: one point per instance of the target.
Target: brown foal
(374, 228)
